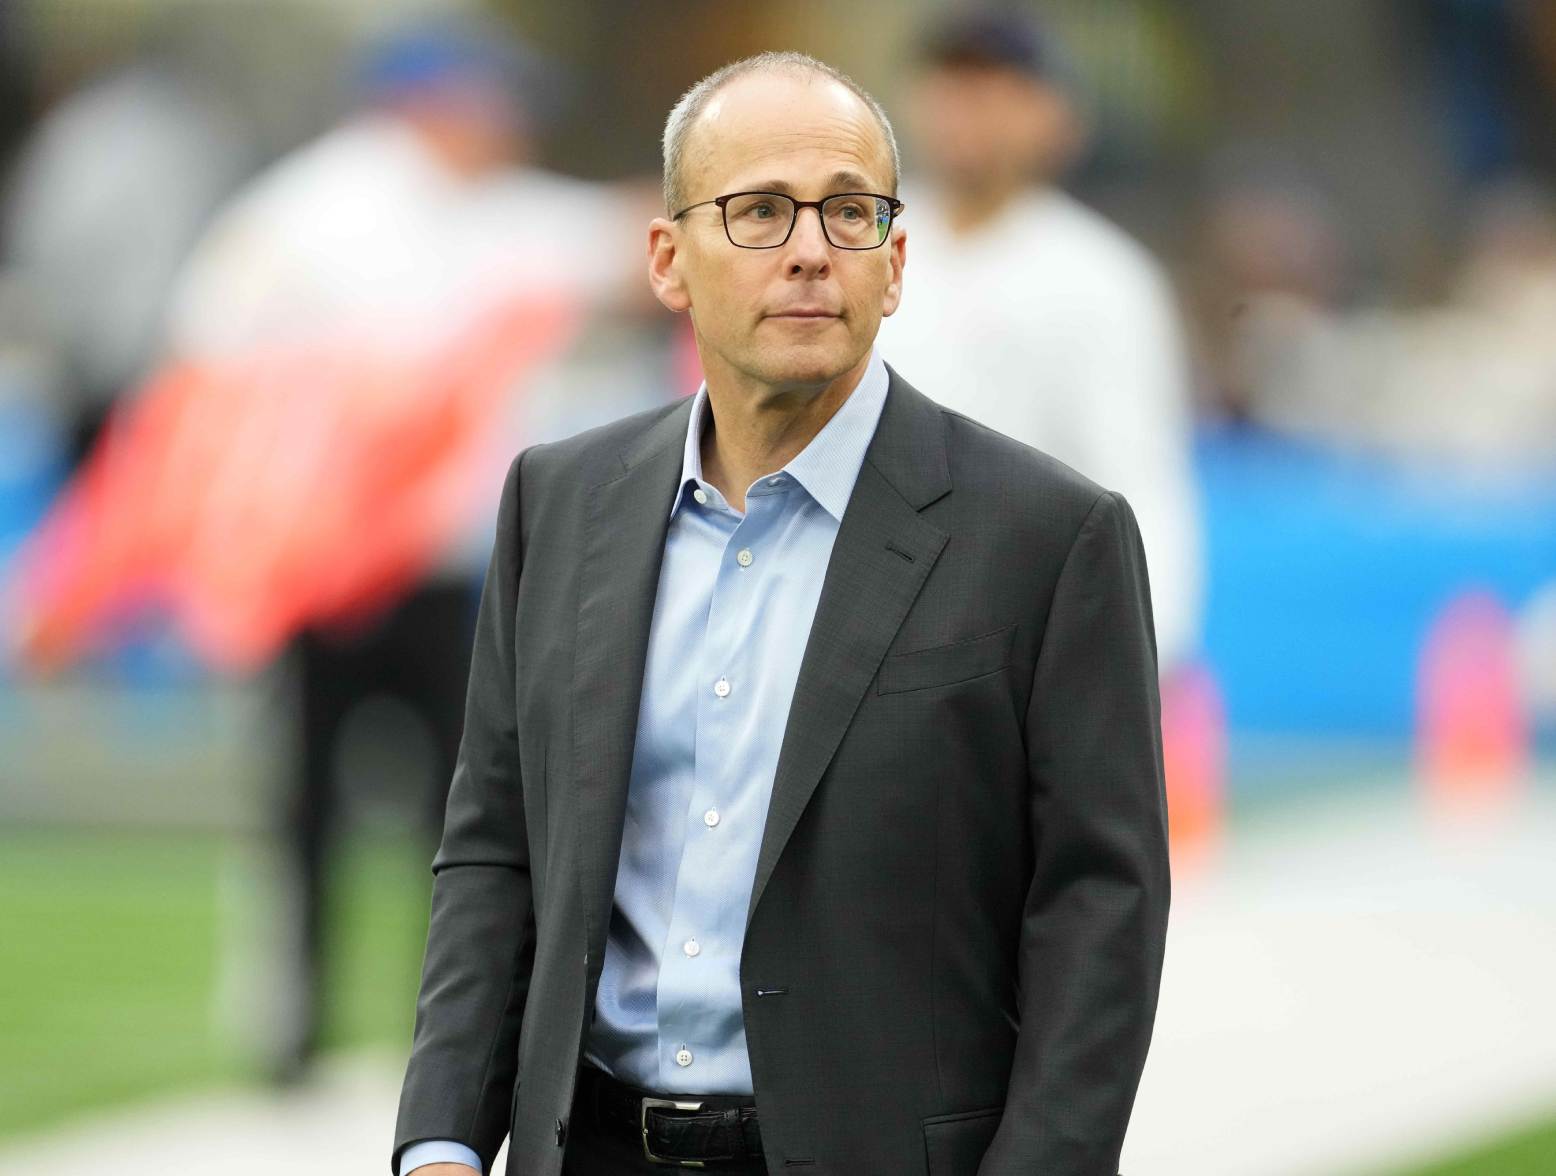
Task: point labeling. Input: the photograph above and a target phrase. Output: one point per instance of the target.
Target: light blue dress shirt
(735, 593)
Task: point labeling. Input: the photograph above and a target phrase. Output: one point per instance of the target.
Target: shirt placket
(707, 922)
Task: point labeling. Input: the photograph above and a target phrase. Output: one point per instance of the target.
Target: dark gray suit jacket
(955, 937)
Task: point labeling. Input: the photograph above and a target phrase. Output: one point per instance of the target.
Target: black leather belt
(687, 1130)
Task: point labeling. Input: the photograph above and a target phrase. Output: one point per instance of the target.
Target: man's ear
(664, 266)
(898, 247)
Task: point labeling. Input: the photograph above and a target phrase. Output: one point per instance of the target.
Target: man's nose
(809, 249)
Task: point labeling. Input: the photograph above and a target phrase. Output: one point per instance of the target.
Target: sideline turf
(1530, 1152)
(108, 958)
(108, 945)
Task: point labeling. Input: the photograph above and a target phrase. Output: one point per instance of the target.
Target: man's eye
(851, 211)
(762, 211)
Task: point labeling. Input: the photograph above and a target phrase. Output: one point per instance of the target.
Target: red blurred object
(251, 498)
(1472, 732)
(1194, 760)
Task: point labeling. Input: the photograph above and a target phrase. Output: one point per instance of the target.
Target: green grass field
(110, 946)
(1531, 1152)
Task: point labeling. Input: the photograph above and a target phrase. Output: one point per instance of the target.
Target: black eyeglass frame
(892, 202)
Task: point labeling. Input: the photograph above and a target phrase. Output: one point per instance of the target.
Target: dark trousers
(595, 1150)
(418, 653)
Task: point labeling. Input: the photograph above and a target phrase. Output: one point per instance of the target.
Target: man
(809, 811)
(1032, 313)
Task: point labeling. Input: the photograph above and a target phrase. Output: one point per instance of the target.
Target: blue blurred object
(1326, 570)
(432, 54)
(32, 469)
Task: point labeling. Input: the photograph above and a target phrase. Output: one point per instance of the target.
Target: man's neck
(756, 430)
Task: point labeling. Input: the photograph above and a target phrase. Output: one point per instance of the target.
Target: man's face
(990, 127)
(798, 316)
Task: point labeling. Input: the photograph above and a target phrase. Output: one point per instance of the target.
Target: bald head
(684, 140)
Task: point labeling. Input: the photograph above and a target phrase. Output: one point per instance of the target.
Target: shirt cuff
(437, 1151)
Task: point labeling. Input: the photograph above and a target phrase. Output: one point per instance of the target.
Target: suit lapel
(882, 555)
(623, 547)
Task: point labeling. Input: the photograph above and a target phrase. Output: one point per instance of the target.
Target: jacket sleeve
(481, 937)
(1094, 924)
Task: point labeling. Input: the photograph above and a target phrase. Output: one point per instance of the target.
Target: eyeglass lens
(761, 220)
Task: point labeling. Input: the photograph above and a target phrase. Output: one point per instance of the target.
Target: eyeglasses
(764, 220)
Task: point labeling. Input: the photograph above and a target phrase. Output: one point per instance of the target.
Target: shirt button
(744, 558)
(721, 688)
(683, 1056)
(700, 495)
(691, 947)
(710, 818)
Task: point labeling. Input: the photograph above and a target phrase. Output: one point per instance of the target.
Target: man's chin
(812, 364)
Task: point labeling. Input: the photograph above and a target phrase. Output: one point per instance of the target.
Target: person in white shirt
(1032, 313)
(387, 238)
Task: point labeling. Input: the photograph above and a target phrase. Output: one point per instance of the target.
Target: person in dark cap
(996, 105)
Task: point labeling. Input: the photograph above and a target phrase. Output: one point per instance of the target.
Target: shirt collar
(829, 465)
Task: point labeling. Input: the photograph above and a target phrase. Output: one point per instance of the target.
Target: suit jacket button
(561, 1133)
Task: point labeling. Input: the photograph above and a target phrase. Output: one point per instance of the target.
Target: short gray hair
(684, 114)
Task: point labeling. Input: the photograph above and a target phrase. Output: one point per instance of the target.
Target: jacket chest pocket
(944, 665)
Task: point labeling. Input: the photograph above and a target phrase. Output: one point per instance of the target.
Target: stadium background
(1361, 962)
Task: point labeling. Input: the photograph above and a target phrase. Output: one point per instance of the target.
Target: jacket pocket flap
(954, 1144)
(942, 665)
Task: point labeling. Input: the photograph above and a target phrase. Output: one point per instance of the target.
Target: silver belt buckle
(673, 1104)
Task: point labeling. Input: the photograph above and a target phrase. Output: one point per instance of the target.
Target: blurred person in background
(390, 234)
(1271, 261)
(1469, 379)
(151, 143)
(1473, 380)
(1030, 312)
